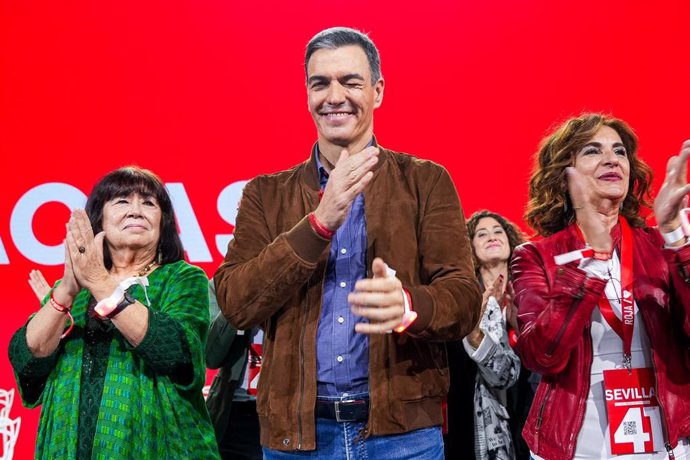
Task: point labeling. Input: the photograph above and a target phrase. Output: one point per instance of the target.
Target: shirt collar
(321, 169)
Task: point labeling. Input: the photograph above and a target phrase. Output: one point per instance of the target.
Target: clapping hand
(477, 335)
(673, 191)
(593, 227)
(347, 180)
(38, 284)
(85, 250)
(378, 299)
(509, 305)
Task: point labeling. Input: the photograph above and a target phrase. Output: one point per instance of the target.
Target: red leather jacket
(555, 304)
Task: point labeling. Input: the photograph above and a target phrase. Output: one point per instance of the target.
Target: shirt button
(343, 284)
(343, 251)
(341, 320)
(339, 359)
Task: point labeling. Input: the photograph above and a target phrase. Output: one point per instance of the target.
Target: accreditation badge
(633, 411)
(253, 368)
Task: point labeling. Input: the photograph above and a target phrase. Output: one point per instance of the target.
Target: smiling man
(357, 265)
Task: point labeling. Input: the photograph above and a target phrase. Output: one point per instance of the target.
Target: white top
(607, 348)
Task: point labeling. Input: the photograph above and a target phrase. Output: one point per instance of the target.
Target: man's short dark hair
(337, 37)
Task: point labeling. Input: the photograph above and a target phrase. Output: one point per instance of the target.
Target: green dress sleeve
(178, 325)
(31, 372)
(165, 349)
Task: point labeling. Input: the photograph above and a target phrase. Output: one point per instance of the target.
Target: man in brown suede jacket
(357, 265)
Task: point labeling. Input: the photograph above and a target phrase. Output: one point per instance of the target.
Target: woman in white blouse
(498, 367)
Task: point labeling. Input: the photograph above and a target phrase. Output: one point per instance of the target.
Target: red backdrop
(209, 94)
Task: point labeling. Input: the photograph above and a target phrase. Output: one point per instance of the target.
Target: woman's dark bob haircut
(123, 182)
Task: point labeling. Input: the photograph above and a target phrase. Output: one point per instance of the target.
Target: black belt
(343, 411)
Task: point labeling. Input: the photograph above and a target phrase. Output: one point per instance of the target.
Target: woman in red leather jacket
(603, 300)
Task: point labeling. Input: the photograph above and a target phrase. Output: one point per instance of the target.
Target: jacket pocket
(439, 356)
(419, 370)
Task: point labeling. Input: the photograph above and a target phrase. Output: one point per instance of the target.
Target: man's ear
(378, 89)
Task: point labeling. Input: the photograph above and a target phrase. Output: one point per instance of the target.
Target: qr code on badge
(630, 428)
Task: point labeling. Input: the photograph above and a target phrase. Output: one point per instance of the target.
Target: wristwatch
(124, 303)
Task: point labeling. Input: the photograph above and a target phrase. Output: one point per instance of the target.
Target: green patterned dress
(104, 399)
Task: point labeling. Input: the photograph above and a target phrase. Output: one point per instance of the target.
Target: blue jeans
(340, 440)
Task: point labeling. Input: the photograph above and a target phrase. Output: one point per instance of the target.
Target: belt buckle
(337, 411)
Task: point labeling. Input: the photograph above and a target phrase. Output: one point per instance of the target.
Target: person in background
(493, 366)
(115, 354)
(604, 300)
(357, 264)
(231, 401)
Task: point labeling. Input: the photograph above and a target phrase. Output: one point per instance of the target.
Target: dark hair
(337, 37)
(550, 209)
(123, 182)
(515, 235)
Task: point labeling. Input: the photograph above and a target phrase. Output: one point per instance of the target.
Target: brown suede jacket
(273, 275)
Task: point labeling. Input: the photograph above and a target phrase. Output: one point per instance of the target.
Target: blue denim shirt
(342, 355)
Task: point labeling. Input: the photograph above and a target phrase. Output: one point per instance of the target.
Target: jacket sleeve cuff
(306, 243)
(574, 282)
(424, 306)
(681, 258)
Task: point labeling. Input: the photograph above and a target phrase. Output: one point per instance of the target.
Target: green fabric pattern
(143, 413)
(93, 370)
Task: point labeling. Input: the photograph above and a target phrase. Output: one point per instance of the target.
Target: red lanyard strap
(623, 328)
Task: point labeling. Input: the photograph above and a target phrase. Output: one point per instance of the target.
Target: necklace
(144, 271)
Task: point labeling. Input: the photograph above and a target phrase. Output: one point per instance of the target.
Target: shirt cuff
(484, 351)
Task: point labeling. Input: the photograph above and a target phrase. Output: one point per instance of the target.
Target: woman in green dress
(115, 354)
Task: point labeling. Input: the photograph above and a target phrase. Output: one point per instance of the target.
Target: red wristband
(62, 309)
(409, 316)
(57, 305)
(323, 231)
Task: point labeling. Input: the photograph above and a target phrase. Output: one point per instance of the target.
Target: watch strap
(126, 301)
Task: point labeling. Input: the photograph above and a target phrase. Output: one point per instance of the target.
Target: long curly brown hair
(550, 209)
(515, 235)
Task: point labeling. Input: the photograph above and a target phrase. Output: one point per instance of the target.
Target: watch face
(126, 302)
(128, 299)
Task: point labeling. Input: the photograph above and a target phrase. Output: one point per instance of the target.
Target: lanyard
(623, 328)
